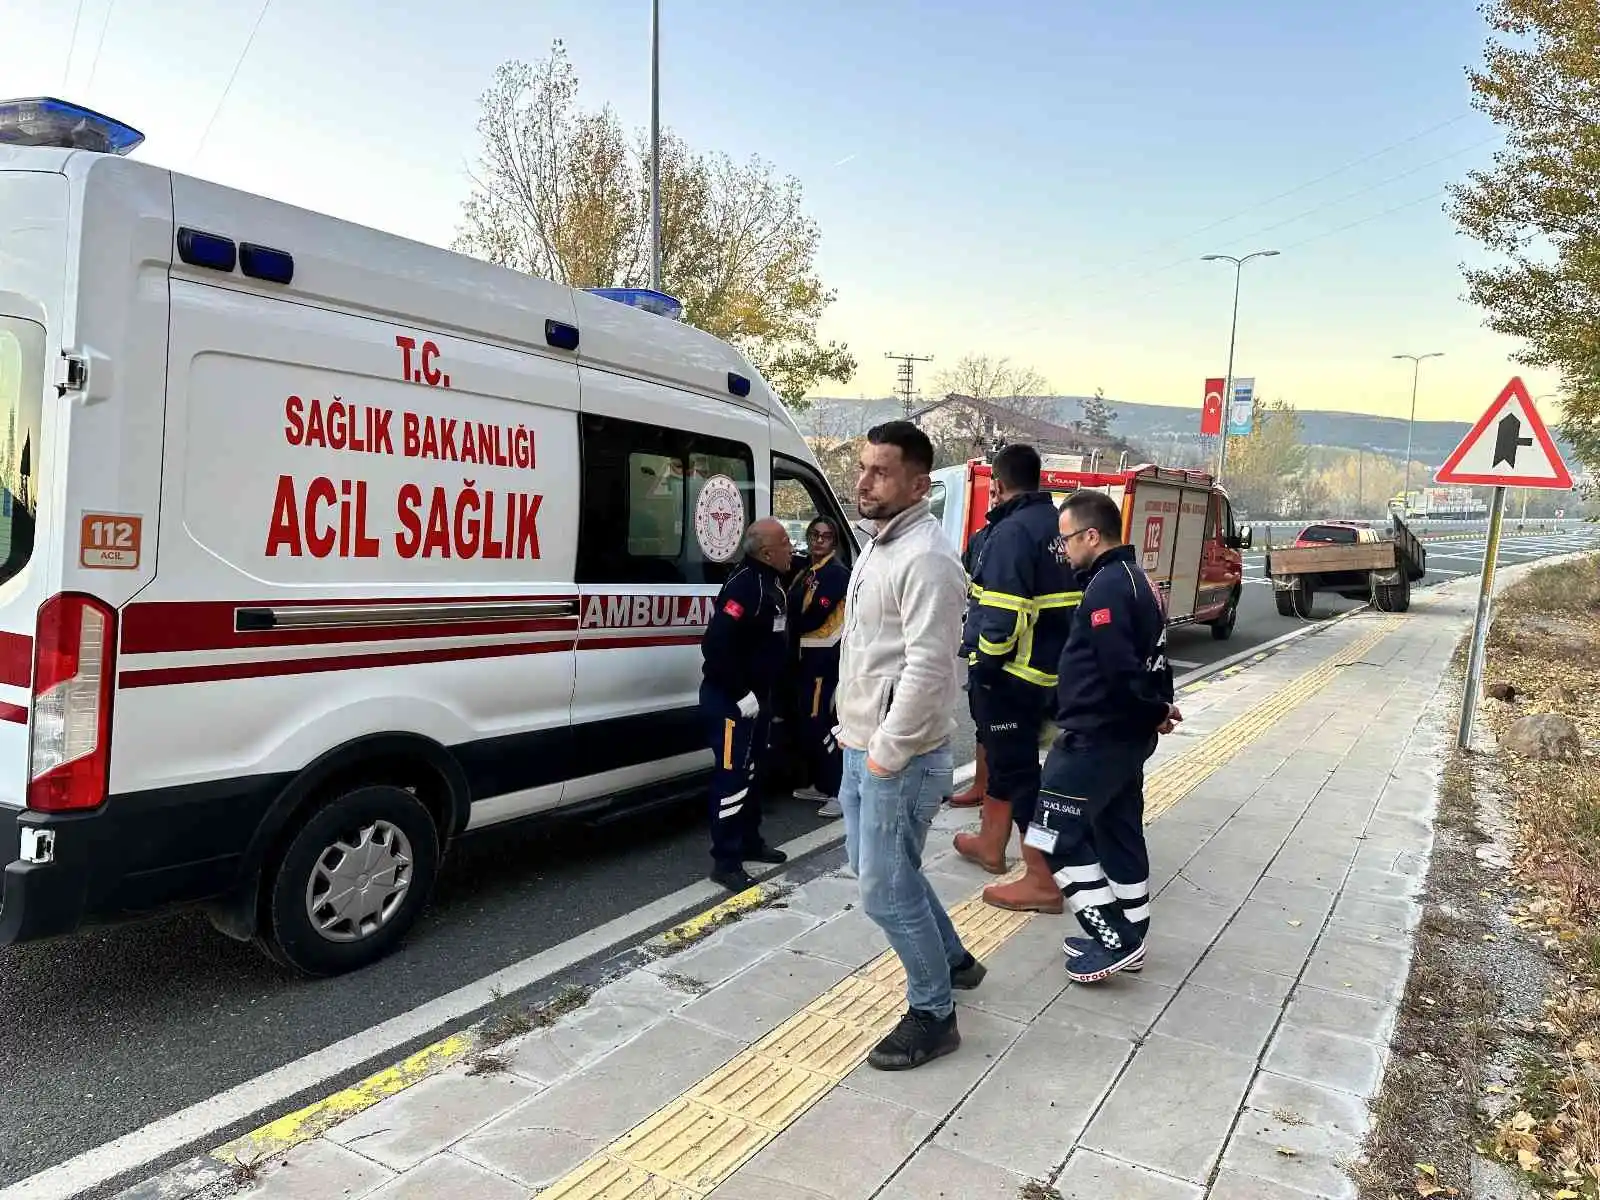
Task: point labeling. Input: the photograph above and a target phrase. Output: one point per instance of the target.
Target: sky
(1037, 185)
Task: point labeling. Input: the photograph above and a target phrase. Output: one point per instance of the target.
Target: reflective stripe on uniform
(727, 744)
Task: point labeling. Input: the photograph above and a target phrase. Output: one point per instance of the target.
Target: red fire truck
(1179, 521)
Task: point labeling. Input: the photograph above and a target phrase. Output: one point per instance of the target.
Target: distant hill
(1159, 427)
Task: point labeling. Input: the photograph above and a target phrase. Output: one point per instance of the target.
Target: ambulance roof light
(648, 299)
(46, 121)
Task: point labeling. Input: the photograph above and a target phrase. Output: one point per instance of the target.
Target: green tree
(1263, 466)
(1537, 209)
(562, 192)
(1097, 414)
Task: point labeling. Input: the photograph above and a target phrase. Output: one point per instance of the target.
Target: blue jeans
(885, 828)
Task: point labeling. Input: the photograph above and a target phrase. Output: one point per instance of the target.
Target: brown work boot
(1036, 891)
(973, 796)
(987, 847)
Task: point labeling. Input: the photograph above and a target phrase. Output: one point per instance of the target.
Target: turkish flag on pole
(1211, 414)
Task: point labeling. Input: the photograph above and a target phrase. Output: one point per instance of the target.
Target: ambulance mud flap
(403, 760)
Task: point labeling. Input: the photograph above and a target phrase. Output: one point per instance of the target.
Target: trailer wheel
(1295, 602)
(351, 882)
(1222, 627)
(1392, 597)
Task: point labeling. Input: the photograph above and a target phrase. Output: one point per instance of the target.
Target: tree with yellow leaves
(562, 192)
(1537, 209)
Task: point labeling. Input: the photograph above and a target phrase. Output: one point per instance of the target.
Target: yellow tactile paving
(700, 1139)
(1178, 777)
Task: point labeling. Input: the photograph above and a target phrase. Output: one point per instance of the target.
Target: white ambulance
(320, 547)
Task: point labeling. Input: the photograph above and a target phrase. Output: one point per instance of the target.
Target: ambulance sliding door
(670, 482)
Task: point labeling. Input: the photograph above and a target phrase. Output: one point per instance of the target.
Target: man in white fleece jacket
(896, 705)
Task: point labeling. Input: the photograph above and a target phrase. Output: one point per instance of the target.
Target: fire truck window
(1214, 519)
(642, 487)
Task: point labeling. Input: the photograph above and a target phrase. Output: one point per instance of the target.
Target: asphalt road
(106, 1032)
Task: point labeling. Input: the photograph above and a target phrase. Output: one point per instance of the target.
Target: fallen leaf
(1428, 1169)
(1297, 924)
(1528, 1160)
(1495, 1089)
(1288, 1153)
(1522, 1122)
(1566, 1194)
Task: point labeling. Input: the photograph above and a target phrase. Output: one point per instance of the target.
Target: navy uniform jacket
(747, 642)
(1116, 682)
(1020, 603)
(816, 606)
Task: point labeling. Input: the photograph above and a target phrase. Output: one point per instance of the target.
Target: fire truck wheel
(1222, 627)
(351, 882)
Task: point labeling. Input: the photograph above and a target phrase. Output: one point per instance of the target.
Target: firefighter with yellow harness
(1018, 615)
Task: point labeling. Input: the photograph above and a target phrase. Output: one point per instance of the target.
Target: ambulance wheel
(351, 882)
(1222, 627)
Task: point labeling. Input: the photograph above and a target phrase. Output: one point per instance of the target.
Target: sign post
(1508, 447)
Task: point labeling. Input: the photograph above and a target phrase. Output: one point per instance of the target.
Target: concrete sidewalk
(1291, 827)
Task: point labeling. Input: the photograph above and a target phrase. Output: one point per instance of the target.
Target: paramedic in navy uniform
(746, 650)
(816, 623)
(1113, 700)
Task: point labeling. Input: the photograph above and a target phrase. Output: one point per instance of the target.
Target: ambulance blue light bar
(46, 121)
(648, 299)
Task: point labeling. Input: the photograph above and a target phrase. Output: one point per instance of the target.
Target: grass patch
(1546, 641)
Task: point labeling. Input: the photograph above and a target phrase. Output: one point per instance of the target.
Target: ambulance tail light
(74, 670)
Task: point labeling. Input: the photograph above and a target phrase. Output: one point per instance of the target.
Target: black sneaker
(735, 879)
(766, 854)
(967, 974)
(920, 1038)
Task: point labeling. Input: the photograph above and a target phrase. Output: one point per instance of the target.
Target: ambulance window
(642, 488)
(21, 410)
(799, 496)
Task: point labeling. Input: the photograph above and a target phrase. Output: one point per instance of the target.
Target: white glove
(749, 706)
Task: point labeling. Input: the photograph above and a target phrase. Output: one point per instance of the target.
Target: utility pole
(1233, 335)
(907, 374)
(655, 144)
(1416, 361)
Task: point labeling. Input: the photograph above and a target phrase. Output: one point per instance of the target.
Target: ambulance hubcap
(360, 883)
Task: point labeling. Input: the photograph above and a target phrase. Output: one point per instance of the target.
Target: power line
(94, 63)
(1298, 188)
(72, 45)
(1317, 237)
(1348, 196)
(223, 99)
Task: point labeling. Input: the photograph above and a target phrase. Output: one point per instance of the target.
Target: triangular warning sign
(1508, 447)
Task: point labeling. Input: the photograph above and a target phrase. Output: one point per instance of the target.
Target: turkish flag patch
(1099, 617)
(733, 608)
(824, 602)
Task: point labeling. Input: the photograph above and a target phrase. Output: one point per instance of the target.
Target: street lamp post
(655, 144)
(1416, 370)
(1233, 333)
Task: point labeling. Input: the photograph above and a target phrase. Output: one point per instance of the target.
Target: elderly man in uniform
(745, 651)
